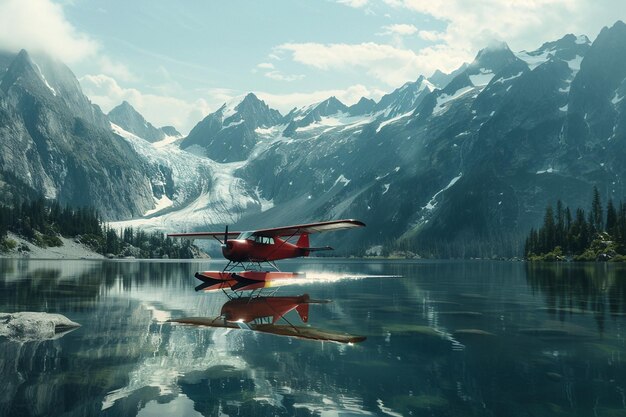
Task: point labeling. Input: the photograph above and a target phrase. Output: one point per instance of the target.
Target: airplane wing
(309, 228)
(280, 231)
(204, 235)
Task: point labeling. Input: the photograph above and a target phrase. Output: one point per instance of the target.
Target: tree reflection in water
(598, 289)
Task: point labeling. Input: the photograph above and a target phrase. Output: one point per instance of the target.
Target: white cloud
(354, 3)
(41, 26)
(116, 69)
(274, 74)
(401, 29)
(430, 35)
(158, 110)
(279, 76)
(523, 24)
(389, 64)
(348, 96)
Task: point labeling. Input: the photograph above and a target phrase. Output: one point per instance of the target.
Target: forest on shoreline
(41, 222)
(596, 235)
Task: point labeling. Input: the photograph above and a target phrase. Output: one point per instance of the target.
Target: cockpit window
(265, 240)
(254, 238)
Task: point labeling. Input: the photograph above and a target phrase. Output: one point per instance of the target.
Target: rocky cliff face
(60, 145)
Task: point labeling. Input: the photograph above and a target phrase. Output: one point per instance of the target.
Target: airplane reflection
(261, 313)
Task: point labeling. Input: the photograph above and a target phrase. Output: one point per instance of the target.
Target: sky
(177, 61)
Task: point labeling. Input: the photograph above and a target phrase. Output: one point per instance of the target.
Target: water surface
(443, 339)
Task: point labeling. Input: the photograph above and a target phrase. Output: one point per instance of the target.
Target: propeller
(225, 236)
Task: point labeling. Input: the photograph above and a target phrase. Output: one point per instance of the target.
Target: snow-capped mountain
(229, 134)
(363, 106)
(405, 99)
(473, 165)
(568, 48)
(302, 119)
(462, 164)
(440, 79)
(55, 143)
(126, 117)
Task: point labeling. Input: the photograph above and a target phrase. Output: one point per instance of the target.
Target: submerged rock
(29, 326)
(472, 332)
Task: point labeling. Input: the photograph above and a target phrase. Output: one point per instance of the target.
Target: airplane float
(260, 314)
(247, 252)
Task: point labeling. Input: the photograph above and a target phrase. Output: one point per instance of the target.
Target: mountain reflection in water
(444, 339)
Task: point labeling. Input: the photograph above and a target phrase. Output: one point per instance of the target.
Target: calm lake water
(443, 339)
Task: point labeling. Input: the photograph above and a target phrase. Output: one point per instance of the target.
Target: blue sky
(178, 61)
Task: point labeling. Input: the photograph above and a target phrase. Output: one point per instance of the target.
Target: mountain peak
(252, 109)
(330, 106)
(405, 98)
(129, 119)
(364, 106)
(567, 48)
(125, 107)
(619, 24)
(440, 79)
(250, 98)
(494, 57)
(23, 54)
(23, 68)
(618, 30)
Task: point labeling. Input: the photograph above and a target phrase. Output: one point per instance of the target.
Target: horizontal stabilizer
(202, 286)
(209, 283)
(206, 279)
(317, 249)
(318, 301)
(244, 283)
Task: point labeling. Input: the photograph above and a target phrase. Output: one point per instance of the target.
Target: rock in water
(30, 326)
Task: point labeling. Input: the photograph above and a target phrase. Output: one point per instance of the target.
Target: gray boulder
(31, 326)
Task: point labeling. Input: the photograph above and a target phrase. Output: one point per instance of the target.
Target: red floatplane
(248, 251)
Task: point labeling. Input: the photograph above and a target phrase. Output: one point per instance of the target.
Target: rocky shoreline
(70, 250)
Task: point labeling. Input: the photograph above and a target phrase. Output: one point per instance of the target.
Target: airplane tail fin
(303, 307)
(303, 312)
(303, 241)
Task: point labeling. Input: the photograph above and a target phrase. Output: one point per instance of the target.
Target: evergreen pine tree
(621, 224)
(560, 225)
(596, 211)
(549, 229)
(611, 219)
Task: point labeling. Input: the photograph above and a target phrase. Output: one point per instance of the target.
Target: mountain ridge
(461, 169)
